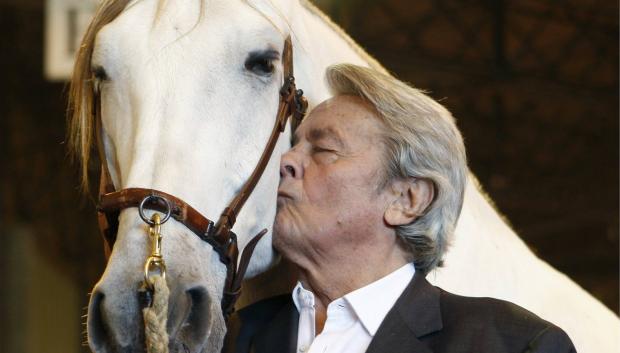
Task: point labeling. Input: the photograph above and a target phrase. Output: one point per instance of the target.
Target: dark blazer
(424, 319)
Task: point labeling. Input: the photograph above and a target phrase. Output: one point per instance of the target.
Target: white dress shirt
(353, 319)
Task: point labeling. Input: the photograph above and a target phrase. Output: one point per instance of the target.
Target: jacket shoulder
(489, 311)
(502, 323)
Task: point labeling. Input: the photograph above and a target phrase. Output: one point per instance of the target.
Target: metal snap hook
(155, 199)
(151, 263)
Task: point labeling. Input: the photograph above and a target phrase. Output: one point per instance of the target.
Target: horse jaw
(180, 114)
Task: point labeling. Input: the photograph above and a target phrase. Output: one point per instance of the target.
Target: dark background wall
(534, 87)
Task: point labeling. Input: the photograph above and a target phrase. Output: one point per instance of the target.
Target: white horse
(189, 94)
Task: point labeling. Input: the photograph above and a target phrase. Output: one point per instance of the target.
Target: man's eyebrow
(317, 134)
(328, 133)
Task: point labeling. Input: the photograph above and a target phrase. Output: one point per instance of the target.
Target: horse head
(188, 96)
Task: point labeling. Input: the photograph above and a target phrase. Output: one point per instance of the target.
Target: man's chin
(281, 230)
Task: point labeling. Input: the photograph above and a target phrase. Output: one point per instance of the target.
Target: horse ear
(412, 196)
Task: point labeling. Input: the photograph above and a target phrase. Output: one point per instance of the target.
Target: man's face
(329, 197)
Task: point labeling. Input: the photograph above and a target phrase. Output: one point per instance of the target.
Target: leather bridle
(217, 234)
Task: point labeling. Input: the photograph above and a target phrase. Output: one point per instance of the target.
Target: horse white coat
(184, 113)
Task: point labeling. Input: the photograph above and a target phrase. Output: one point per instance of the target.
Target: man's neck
(330, 281)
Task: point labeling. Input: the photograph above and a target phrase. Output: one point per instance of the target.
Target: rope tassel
(156, 316)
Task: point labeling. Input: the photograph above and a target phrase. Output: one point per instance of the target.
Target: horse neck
(319, 43)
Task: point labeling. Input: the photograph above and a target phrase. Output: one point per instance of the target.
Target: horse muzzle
(116, 323)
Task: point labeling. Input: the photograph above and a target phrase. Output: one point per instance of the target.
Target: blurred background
(533, 85)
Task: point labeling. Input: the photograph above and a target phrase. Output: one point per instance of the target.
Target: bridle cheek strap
(219, 235)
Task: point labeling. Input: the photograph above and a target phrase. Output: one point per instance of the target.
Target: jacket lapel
(415, 314)
(280, 335)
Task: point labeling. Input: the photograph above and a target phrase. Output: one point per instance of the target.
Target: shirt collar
(372, 302)
(302, 297)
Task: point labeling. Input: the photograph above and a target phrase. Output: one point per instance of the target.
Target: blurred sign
(66, 22)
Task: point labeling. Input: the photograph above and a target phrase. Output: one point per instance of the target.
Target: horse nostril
(198, 313)
(194, 328)
(113, 324)
(97, 333)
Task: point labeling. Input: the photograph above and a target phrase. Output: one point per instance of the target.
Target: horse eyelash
(260, 58)
(99, 73)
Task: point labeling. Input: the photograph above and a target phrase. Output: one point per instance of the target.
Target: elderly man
(369, 197)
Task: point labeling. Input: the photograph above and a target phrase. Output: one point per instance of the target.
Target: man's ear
(411, 198)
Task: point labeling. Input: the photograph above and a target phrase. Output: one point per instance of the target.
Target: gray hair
(421, 141)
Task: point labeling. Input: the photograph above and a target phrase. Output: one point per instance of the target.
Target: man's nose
(289, 166)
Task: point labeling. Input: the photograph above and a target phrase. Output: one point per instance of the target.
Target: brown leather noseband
(219, 234)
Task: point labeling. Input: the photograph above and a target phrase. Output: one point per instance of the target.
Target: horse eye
(100, 74)
(261, 63)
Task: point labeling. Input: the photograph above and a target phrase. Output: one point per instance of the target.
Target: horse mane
(372, 62)
(81, 90)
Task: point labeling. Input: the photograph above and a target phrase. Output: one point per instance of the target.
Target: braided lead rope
(155, 289)
(156, 316)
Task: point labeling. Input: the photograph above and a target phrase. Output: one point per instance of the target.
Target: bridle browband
(219, 234)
